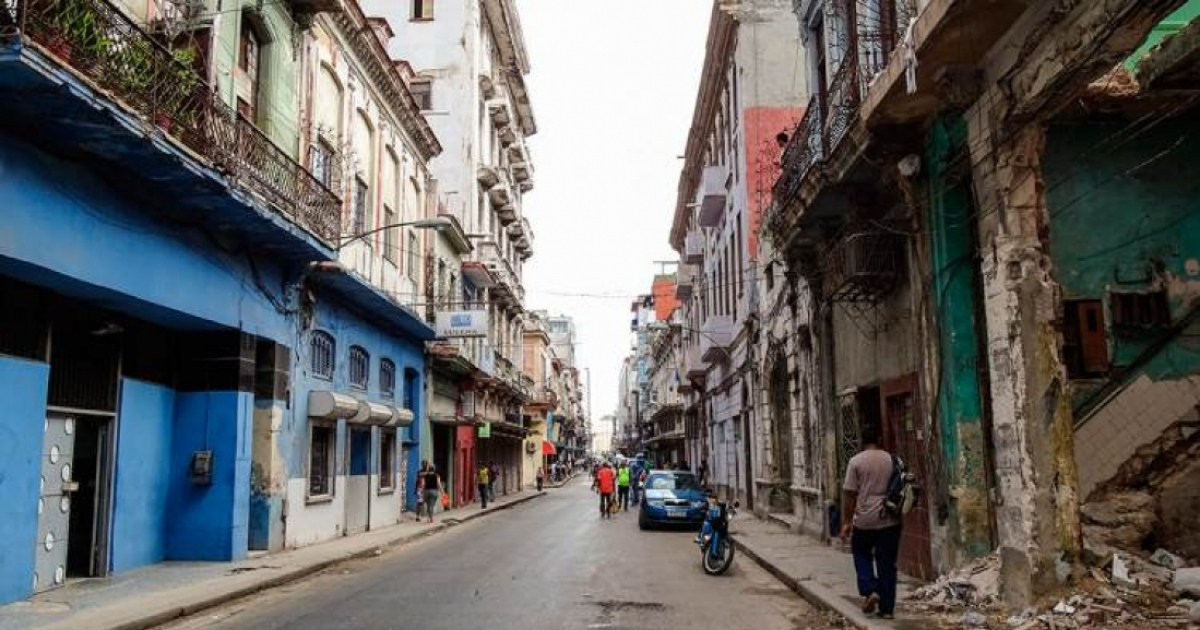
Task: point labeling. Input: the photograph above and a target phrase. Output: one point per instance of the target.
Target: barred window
(322, 354)
(360, 367)
(387, 378)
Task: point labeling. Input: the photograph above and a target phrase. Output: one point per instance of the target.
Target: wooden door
(904, 434)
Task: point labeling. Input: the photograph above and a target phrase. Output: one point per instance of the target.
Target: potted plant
(174, 105)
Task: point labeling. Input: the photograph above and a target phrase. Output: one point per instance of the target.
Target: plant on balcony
(173, 103)
(75, 27)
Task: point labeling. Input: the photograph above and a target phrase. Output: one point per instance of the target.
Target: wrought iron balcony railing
(162, 86)
(804, 150)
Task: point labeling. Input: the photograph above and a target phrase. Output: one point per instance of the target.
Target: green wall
(278, 97)
(1124, 203)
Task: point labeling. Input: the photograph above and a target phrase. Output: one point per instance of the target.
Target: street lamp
(434, 223)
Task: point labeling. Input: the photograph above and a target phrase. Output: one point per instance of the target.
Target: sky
(613, 84)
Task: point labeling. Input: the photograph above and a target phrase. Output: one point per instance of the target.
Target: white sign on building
(457, 324)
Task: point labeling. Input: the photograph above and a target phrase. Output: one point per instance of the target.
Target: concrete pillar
(1037, 504)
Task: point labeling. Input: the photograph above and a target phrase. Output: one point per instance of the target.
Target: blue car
(672, 497)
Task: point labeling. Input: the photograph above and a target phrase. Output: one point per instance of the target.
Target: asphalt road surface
(550, 564)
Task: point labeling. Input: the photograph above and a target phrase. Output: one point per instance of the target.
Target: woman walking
(430, 485)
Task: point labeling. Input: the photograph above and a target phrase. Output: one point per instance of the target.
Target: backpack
(901, 490)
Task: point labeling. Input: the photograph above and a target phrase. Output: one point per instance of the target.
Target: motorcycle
(716, 546)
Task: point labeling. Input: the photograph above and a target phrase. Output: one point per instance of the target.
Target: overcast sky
(613, 83)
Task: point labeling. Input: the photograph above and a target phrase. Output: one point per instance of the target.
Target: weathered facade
(936, 203)
(750, 84)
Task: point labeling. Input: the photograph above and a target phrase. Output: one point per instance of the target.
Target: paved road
(551, 564)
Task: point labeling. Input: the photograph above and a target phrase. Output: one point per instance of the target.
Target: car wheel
(643, 524)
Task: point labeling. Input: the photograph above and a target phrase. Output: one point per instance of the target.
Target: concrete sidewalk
(821, 574)
(153, 595)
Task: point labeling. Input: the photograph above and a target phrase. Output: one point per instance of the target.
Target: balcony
(507, 136)
(805, 149)
(499, 111)
(716, 335)
(487, 176)
(507, 214)
(142, 77)
(685, 279)
(693, 248)
(863, 267)
(517, 229)
(507, 289)
(713, 191)
(501, 193)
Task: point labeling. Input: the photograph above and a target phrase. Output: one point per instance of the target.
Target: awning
(548, 448)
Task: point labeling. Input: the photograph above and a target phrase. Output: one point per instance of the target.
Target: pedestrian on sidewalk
(606, 481)
(623, 487)
(493, 476)
(703, 473)
(873, 531)
(482, 478)
(430, 485)
(541, 477)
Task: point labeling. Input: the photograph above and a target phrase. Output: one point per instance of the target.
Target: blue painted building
(187, 372)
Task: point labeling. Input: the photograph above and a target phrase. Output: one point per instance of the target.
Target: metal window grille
(849, 435)
(360, 367)
(387, 459)
(360, 207)
(387, 378)
(320, 462)
(323, 347)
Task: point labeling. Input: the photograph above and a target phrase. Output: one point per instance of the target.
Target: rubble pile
(1128, 592)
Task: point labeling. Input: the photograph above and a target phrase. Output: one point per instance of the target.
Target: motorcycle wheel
(718, 562)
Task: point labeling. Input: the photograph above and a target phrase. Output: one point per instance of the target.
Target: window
(249, 52)
(1137, 312)
(422, 91)
(321, 439)
(360, 367)
(1085, 345)
(360, 206)
(322, 354)
(413, 255)
(320, 162)
(389, 235)
(387, 460)
(387, 378)
(410, 389)
(422, 9)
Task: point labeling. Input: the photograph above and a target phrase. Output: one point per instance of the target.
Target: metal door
(904, 436)
(54, 502)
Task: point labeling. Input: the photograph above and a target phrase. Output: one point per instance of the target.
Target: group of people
(431, 492)
(617, 485)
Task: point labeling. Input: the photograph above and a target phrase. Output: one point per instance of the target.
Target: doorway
(904, 436)
(358, 482)
(443, 445)
(75, 499)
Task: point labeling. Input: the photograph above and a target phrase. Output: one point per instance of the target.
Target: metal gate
(54, 502)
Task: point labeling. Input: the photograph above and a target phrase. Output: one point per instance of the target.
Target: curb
(172, 613)
(814, 592)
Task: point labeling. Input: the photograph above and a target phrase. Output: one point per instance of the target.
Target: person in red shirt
(606, 483)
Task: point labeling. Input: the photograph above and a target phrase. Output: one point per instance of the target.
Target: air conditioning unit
(530, 448)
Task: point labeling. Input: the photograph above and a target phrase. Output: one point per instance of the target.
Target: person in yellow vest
(483, 479)
(623, 486)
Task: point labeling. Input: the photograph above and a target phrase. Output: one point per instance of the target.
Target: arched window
(360, 367)
(387, 378)
(322, 351)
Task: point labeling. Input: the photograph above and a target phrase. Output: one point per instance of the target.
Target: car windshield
(672, 481)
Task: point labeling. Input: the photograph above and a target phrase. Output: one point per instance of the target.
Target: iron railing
(162, 86)
(843, 99)
(863, 266)
(804, 150)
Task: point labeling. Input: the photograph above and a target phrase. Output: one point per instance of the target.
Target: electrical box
(201, 468)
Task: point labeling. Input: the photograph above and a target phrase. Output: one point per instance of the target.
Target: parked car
(672, 497)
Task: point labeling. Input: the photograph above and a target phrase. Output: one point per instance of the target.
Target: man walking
(493, 476)
(623, 487)
(605, 482)
(482, 478)
(541, 477)
(873, 531)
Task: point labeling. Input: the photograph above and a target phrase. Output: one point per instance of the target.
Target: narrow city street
(548, 564)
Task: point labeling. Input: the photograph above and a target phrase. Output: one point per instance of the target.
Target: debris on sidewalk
(1129, 591)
